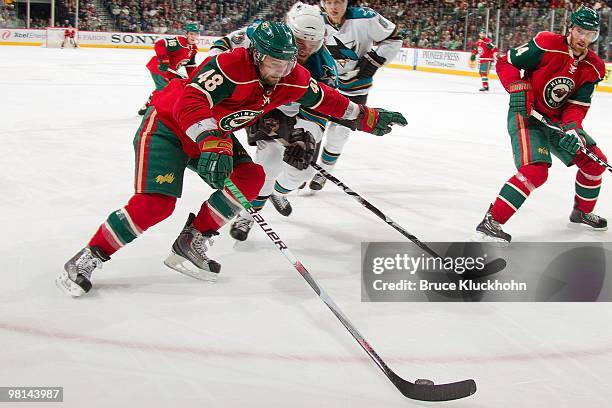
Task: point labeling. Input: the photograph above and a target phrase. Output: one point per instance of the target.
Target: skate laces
(243, 224)
(280, 201)
(201, 243)
(591, 217)
(87, 263)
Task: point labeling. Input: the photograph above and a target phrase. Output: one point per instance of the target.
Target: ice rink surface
(259, 337)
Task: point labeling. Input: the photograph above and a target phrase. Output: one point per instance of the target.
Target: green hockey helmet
(191, 28)
(586, 18)
(274, 39)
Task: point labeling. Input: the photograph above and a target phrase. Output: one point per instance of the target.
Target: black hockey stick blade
(426, 391)
(435, 392)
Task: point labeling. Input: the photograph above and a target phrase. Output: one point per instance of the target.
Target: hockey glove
(216, 160)
(369, 64)
(521, 98)
(378, 121)
(301, 149)
(164, 64)
(573, 139)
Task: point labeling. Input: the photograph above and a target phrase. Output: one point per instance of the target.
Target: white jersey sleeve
(235, 39)
(383, 33)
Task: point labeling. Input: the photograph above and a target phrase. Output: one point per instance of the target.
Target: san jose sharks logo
(342, 53)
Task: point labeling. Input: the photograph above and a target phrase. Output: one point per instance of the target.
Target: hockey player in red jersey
(560, 75)
(69, 36)
(487, 53)
(171, 54)
(191, 124)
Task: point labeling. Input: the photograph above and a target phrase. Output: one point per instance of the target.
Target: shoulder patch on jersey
(547, 41)
(360, 12)
(238, 38)
(236, 65)
(383, 23)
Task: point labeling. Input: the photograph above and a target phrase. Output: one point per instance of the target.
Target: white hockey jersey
(238, 38)
(360, 31)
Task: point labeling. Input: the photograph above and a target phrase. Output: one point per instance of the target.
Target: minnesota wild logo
(237, 119)
(557, 90)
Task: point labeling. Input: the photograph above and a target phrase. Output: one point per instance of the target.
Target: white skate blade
(186, 267)
(482, 237)
(68, 286)
(578, 226)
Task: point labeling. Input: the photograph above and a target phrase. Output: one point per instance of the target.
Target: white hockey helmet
(306, 22)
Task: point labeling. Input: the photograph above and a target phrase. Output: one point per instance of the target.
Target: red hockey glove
(216, 160)
(378, 121)
(521, 97)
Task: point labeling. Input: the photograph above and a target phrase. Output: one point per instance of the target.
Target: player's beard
(578, 47)
(270, 80)
(267, 80)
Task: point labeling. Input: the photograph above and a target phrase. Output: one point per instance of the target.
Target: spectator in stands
(426, 23)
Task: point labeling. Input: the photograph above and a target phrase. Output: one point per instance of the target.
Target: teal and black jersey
(322, 67)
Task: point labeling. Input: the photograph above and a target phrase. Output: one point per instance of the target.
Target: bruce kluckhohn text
(462, 285)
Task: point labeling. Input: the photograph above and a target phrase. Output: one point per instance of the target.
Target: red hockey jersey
(485, 49)
(562, 83)
(177, 51)
(225, 93)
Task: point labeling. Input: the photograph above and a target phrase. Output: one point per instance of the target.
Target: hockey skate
(188, 254)
(317, 182)
(490, 230)
(75, 280)
(282, 205)
(241, 227)
(579, 219)
(484, 89)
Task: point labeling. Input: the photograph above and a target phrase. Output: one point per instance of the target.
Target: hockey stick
(178, 74)
(373, 209)
(492, 267)
(583, 149)
(425, 391)
(351, 124)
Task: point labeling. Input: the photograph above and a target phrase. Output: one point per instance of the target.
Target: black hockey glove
(301, 149)
(369, 64)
